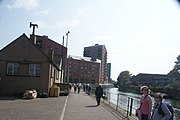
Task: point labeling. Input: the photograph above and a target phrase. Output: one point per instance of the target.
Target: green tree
(177, 64)
(124, 80)
(175, 72)
(175, 75)
(173, 85)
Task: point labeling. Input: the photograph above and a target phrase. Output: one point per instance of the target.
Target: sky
(141, 36)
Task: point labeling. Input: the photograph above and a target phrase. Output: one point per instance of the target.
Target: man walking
(99, 94)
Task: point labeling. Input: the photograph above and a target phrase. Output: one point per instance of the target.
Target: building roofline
(88, 59)
(44, 36)
(150, 74)
(23, 35)
(28, 39)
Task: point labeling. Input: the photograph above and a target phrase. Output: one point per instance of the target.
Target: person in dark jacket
(99, 94)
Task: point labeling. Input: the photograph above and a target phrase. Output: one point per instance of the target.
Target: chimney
(33, 38)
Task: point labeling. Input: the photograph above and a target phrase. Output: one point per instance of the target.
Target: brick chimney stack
(32, 36)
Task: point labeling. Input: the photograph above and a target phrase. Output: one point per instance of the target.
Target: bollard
(131, 107)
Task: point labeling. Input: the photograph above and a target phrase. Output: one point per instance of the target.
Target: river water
(123, 100)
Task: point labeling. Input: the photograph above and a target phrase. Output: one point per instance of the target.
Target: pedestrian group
(159, 111)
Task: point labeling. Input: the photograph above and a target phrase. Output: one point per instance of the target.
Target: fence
(127, 105)
(121, 103)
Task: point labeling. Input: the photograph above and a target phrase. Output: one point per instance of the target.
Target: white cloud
(68, 24)
(57, 25)
(140, 39)
(65, 24)
(43, 12)
(102, 38)
(86, 10)
(25, 4)
(40, 23)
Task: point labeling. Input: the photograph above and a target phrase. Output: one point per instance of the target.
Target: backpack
(160, 111)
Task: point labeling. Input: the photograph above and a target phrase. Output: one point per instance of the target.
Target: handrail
(126, 103)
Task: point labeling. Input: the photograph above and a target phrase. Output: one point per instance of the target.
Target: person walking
(79, 87)
(99, 94)
(160, 107)
(75, 88)
(89, 89)
(144, 111)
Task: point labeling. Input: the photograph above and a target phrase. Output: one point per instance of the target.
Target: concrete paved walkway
(73, 107)
(33, 109)
(83, 107)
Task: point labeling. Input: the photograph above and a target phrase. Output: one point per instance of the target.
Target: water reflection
(123, 100)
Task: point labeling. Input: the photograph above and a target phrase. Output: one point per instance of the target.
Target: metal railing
(126, 104)
(121, 104)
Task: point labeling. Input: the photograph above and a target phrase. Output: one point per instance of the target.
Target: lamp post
(67, 57)
(67, 38)
(62, 62)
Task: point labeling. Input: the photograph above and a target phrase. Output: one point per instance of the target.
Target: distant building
(83, 70)
(109, 71)
(98, 52)
(150, 79)
(28, 64)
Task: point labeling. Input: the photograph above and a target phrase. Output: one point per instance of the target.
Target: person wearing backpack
(160, 109)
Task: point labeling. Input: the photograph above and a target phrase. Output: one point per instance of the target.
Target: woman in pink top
(145, 104)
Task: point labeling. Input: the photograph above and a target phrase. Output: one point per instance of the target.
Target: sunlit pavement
(34, 109)
(73, 107)
(83, 107)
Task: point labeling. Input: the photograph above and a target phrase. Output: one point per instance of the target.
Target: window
(49, 51)
(52, 72)
(56, 50)
(12, 68)
(34, 69)
(57, 74)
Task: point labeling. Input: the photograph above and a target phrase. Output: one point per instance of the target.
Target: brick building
(98, 52)
(109, 71)
(151, 79)
(83, 70)
(27, 64)
(60, 52)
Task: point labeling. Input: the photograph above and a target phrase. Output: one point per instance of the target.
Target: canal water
(123, 100)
